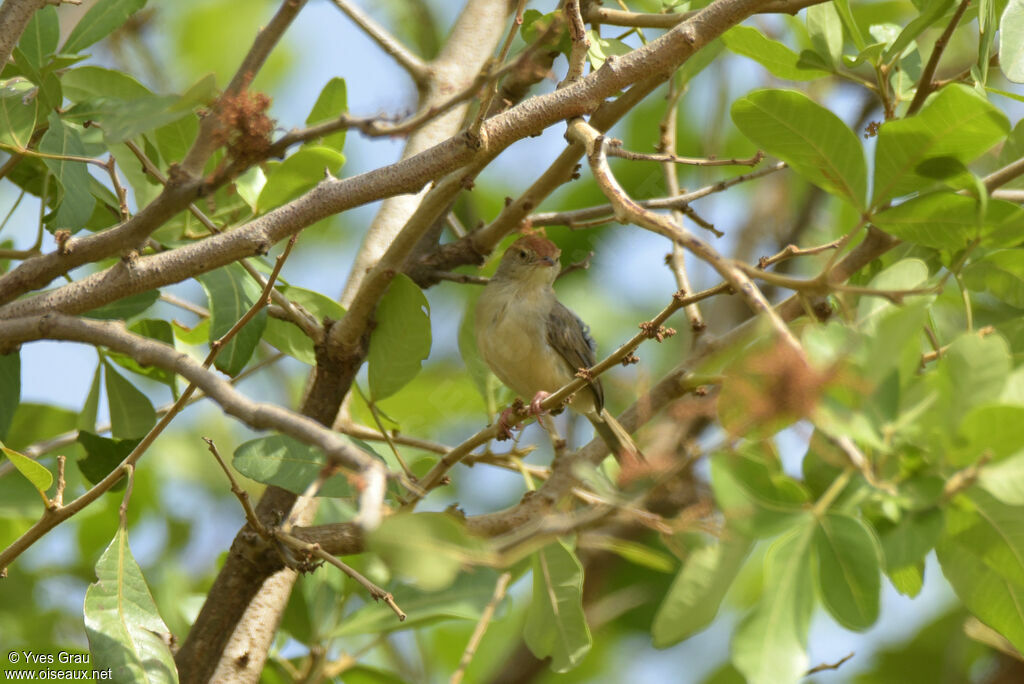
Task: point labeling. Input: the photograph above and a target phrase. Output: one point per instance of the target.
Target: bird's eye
(522, 254)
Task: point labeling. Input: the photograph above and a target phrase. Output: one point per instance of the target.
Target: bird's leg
(535, 404)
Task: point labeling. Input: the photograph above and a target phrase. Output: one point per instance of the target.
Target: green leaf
(808, 137)
(77, 203)
(40, 37)
(908, 580)
(126, 119)
(955, 122)
(905, 545)
(401, 340)
(126, 307)
(249, 186)
(848, 575)
(196, 335)
(635, 552)
(37, 474)
(771, 54)
(154, 329)
(288, 337)
(555, 624)
(475, 364)
(175, 139)
(297, 174)
(131, 413)
(18, 112)
(427, 548)
(850, 24)
(35, 422)
(87, 416)
(10, 389)
(103, 455)
(977, 367)
(905, 274)
(697, 591)
(1011, 41)
(982, 555)
(753, 493)
(769, 646)
(536, 25)
(124, 628)
(999, 273)
(101, 19)
(332, 103)
(1005, 480)
(465, 599)
(826, 31)
(993, 429)
(932, 13)
(93, 82)
(286, 462)
(602, 48)
(231, 292)
(946, 220)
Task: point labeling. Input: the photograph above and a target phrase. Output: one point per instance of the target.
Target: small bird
(535, 345)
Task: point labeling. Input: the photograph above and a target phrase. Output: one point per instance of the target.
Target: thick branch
(149, 352)
(14, 17)
(472, 41)
(406, 176)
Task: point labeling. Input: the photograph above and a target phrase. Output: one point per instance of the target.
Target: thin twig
(463, 278)
(828, 666)
(615, 150)
(925, 85)
(679, 300)
(14, 149)
(629, 210)
(307, 325)
(791, 251)
(58, 497)
(500, 587)
(37, 449)
(241, 494)
(52, 518)
(580, 43)
(492, 87)
(376, 592)
(122, 511)
(371, 435)
(606, 212)
(416, 67)
(377, 126)
(375, 412)
(581, 265)
(122, 196)
(676, 259)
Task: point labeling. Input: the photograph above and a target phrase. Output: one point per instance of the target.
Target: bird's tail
(622, 446)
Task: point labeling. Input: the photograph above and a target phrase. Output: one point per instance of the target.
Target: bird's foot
(535, 404)
(506, 418)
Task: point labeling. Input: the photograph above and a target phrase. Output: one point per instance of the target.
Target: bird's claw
(504, 423)
(535, 404)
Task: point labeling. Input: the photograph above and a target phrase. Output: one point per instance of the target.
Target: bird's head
(530, 260)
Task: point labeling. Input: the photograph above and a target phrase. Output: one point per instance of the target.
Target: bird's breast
(512, 339)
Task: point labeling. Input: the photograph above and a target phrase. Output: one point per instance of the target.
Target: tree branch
(14, 17)
(415, 66)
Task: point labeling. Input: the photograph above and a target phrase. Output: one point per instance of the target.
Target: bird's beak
(547, 261)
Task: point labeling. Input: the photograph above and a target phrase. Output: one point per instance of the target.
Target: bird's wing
(570, 337)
